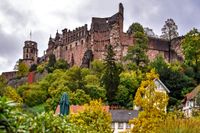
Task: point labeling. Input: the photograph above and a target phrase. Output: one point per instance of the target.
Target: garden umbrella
(64, 104)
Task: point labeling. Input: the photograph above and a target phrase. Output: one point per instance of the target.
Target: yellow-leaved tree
(94, 117)
(152, 105)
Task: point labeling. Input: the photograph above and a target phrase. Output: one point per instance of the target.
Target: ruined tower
(30, 53)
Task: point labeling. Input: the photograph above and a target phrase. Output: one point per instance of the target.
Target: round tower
(30, 52)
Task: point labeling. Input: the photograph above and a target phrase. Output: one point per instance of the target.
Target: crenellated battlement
(74, 35)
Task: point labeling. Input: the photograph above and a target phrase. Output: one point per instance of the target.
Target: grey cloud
(19, 19)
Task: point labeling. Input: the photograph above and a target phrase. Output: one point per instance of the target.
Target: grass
(191, 125)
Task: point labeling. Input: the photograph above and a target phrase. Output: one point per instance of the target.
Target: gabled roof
(123, 115)
(193, 93)
(158, 80)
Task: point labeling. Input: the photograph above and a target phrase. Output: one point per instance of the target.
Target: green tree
(51, 64)
(110, 78)
(174, 77)
(169, 30)
(2, 85)
(135, 27)
(33, 68)
(152, 103)
(190, 46)
(129, 82)
(137, 52)
(22, 69)
(97, 67)
(12, 94)
(61, 64)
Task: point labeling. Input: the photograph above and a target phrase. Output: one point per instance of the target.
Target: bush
(12, 94)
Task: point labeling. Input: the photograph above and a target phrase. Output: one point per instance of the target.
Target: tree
(12, 94)
(22, 69)
(51, 64)
(152, 103)
(135, 27)
(2, 85)
(110, 78)
(97, 67)
(137, 52)
(61, 64)
(169, 30)
(129, 82)
(33, 68)
(191, 49)
(174, 78)
(94, 117)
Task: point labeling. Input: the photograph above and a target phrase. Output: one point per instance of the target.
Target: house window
(113, 125)
(66, 47)
(128, 126)
(120, 125)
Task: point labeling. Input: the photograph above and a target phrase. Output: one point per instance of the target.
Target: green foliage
(97, 67)
(190, 46)
(152, 103)
(177, 125)
(137, 52)
(61, 64)
(22, 69)
(2, 85)
(33, 68)
(7, 115)
(174, 77)
(129, 82)
(32, 94)
(79, 97)
(12, 94)
(51, 64)
(93, 117)
(110, 78)
(92, 120)
(169, 30)
(41, 67)
(135, 27)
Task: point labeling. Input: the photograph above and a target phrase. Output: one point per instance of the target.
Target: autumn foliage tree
(93, 117)
(152, 103)
(22, 69)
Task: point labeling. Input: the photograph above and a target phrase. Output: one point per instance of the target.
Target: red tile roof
(77, 108)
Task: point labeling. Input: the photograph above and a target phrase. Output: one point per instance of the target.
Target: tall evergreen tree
(110, 78)
(51, 64)
(169, 31)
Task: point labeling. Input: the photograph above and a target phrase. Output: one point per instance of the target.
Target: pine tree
(110, 78)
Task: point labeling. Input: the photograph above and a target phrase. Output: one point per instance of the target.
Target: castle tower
(121, 17)
(30, 53)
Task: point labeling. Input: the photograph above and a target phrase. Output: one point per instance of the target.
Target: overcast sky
(44, 17)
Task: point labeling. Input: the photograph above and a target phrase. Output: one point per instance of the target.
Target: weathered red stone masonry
(80, 46)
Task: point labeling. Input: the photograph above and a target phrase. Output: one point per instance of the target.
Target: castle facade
(81, 45)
